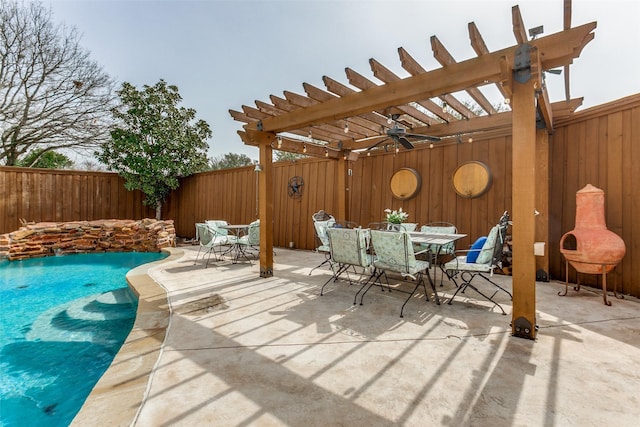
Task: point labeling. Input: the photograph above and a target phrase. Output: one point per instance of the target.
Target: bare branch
(52, 95)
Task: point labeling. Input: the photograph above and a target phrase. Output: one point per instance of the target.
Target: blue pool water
(62, 321)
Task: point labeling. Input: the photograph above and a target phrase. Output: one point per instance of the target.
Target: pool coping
(121, 390)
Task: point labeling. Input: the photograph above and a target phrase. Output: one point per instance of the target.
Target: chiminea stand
(604, 281)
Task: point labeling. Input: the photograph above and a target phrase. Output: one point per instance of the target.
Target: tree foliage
(285, 156)
(155, 142)
(230, 160)
(52, 95)
(45, 159)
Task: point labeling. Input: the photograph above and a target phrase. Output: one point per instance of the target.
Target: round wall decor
(405, 183)
(471, 179)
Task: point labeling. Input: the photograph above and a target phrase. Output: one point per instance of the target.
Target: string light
(346, 127)
(470, 140)
(397, 149)
(304, 148)
(326, 152)
(431, 145)
(279, 142)
(368, 153)
(444, 107)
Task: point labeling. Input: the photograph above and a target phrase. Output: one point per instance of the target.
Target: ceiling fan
(400, 136)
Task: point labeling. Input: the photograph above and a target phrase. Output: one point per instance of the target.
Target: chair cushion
(460, 264)
(486, 254)
(473, 254)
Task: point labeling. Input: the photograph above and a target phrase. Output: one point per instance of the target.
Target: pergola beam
(445, 59)
(556, 49)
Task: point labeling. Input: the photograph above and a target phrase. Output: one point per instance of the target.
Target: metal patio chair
(489, 257)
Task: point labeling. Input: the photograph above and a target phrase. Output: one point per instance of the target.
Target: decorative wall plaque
(405, 183)
(294, 187)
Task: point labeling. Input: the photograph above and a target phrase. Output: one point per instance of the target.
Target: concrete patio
(243, 350)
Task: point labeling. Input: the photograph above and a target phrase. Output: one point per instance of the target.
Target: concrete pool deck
(222, 346)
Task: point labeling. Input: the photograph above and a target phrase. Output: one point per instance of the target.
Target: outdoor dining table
(437, 239)
(236, 250)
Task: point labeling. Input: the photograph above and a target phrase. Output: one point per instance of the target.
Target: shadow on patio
(243, 350)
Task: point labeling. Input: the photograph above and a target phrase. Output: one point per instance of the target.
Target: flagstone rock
(109, 235)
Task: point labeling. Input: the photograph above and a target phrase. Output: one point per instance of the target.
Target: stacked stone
(51, 238)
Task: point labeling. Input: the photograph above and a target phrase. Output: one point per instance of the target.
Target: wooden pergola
(339, 123)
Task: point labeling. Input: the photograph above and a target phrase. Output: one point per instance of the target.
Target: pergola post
(341, 184)
(526, 84)
(265, 210)
(542, 198)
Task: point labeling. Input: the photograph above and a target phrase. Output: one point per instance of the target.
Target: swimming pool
(63, 320)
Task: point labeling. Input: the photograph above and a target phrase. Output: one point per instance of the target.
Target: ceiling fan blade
(369, 138)
(420, 137)
(405, 143)
(376, 144)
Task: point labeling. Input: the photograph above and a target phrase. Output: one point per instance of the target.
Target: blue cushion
(472, 256)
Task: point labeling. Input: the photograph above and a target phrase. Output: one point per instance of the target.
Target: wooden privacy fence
(39, 195)
(599, 146)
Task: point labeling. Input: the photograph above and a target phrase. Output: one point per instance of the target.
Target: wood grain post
(265, 209)
(524, 198)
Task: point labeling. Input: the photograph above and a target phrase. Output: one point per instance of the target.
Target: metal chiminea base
(605, 269)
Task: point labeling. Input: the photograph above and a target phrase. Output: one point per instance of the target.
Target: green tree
(285, 156)
(40, 158)
(230, 160)
(52, 95)
(155, 142)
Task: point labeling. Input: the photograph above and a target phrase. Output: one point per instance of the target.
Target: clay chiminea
(590, 247)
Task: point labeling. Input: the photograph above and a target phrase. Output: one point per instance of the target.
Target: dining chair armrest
(423, 251)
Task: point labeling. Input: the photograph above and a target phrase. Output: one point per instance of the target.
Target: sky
(225, 54)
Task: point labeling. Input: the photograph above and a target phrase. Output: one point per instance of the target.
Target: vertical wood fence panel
(599, 146)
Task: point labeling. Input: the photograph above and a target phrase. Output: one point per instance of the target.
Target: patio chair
(439, 254)
(321, 221)
(394, 253)
(209, 240)
(385, 226)
(488, 257)
(251, 240)
(348, 249)
(409, 226)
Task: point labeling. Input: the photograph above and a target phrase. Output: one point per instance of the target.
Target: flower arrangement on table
(396, 217)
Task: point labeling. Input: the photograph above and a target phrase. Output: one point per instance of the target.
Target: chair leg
(197, 255)
(334, 278)
(371, 283)
(327, 260)
(467, 284)
(420, 282)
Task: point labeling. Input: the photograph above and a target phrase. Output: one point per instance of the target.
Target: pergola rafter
(364, 110)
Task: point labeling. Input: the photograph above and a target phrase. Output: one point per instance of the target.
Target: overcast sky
(225, 54)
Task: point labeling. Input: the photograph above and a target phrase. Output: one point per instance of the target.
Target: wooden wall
(64, 195)
(599, 146)
(231, 195)
(370, 193)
